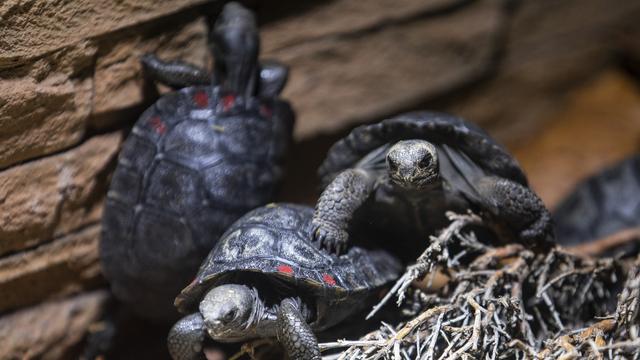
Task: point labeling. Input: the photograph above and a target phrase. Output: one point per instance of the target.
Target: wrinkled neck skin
(261, 323)
(413, 194)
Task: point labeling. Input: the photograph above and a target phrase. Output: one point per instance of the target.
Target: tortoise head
(229, 311)
(413, 164)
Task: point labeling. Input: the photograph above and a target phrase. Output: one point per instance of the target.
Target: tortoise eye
(425, 162)
(230, 315)
(392, 165)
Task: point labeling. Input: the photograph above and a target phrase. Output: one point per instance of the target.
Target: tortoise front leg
(176, 74)
(518, 207)
(294, 333)
(336, 206)
(186, 337)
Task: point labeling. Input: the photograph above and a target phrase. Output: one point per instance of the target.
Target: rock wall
(71, 85)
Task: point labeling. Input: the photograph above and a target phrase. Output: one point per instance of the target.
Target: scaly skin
(176, 74)
(186, 337)
(519, 207)
(335, 208)
(295, 334)
(273, 77)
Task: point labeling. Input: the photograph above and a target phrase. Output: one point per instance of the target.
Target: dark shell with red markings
(275, 240)
(195, 161)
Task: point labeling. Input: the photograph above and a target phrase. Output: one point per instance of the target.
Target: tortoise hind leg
(186, 337)
(294, 332)
(176, 74)
(273, 77)
(518, 207)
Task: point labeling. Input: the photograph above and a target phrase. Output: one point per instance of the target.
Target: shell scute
(228, 184)
(174, 187)
(157, 234)
(192, 140)
(242, 134)
(126, 186)
(137, 153)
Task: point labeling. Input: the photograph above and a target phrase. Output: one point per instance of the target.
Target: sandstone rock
(600, 126)
(34, 28)
(337, 81)
(65, 266)
(49, 330)
(54, 195)
(340, 61)
(46, 104)
(43, 106)
(324, 19)
(343, 53)
(551, 48)
(118, 75)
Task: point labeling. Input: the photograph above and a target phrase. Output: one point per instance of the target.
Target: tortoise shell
(194, 162)
(275, 240)
(601, 205)
(437, 128)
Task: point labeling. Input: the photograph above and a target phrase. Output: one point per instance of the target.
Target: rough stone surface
(52, 196)
(341, 80)
(318, 19)
(30, 29)
(345, 72)
(118, 79)
(64, 266)
(44, 105)
(50, 330)
(352, 61)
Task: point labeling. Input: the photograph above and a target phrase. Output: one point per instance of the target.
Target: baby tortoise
(396, 179)
(265, 278)
(195, 161)
(603, 204)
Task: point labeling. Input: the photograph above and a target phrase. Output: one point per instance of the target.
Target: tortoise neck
(417, 193)
(258, 311)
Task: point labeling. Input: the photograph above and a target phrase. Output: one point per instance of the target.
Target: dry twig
(509, 303)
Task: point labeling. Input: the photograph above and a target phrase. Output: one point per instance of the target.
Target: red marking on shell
(158, 125)
(201, 99)
(285, 269)
(329, 279)
(228, 101)
(265, 111)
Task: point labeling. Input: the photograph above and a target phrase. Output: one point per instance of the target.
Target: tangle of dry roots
(508, 303)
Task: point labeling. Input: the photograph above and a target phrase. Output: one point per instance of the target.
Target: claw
(329, 239)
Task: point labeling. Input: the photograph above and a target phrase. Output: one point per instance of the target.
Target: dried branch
(436, 254)
(508, 302)
(604, 244)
